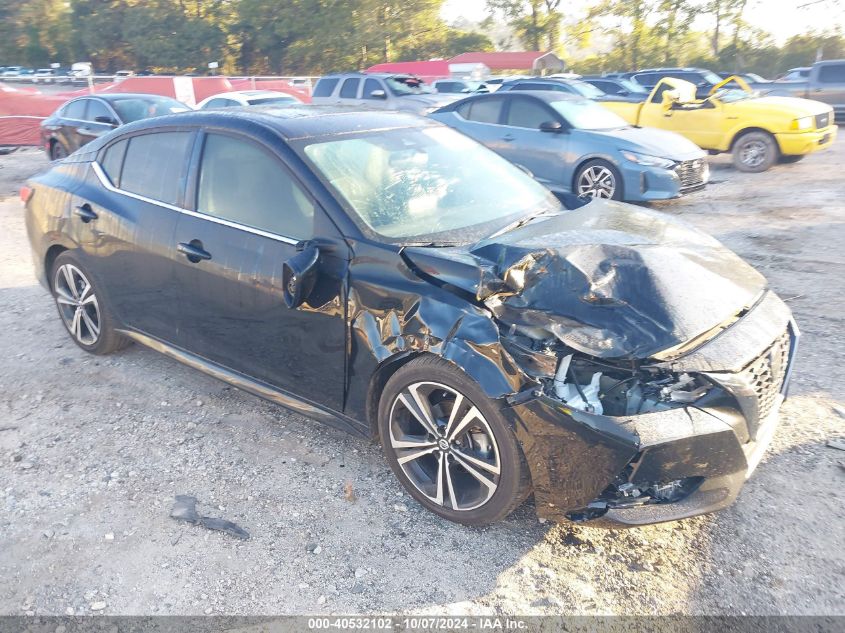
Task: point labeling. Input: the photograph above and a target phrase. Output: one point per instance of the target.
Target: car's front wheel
(82, 307)
(449, 444)
(755, 152)
(598, 179)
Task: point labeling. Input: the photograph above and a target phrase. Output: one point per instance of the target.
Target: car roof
(250, 93)
(113, 96)
(292, 122)
(543, 95)
(362, 74)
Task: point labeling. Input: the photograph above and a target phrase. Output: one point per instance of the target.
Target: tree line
(297, 37)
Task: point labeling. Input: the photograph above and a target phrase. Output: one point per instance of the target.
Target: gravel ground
(93, 449)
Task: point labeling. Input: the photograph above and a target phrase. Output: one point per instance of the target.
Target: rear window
(325, 87)
(154, 164)
(832, 74)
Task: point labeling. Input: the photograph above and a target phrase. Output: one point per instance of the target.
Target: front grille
(822, 120)
(691, 173)
(766, 374)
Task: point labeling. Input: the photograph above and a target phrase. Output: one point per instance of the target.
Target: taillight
(26, 193)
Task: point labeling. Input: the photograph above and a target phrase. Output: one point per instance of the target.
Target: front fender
(394, 313)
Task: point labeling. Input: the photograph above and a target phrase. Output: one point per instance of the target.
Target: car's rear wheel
(598, 179)
(83, 307)
(57, 151)
(449, 444)
(755, 152)
(791, 158)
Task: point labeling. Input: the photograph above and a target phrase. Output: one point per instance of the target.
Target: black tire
(93, 328)
(486, 438)
(791, 158)
(755, 152)
(606, 172)
(57, 151)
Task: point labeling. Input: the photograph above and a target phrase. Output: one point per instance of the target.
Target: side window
(112, 161)
(216, 103)
(534, 86)
(607, 86)
(528, 113)
(463, 110)
(153, 165)
(76, 109)
(244, 183)
(349, 89)
(325, 87)
(95, 109)
(832, 74)
(371, 85)
(485, 110)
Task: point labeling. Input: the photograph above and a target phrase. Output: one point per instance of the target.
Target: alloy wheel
(597, 181)
(444, 446)
(753, 153)
(77, 303)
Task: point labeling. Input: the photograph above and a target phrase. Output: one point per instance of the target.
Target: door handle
(508, 138)
(194, 251)
(85, 212)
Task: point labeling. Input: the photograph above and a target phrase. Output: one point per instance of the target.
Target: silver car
(382, 91)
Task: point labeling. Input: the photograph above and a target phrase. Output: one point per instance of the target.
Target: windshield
(131, 109)
(428, 185)
(401, 86)
(710, 77)
(728, 95)
(271, 100)
(585, 90)
(632, 86)
(587, 115)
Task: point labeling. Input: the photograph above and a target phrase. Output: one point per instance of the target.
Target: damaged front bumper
(658, 466)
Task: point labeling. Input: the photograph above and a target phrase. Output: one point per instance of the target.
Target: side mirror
(668, 98)
(551, 126)
(624, 92)
(105, 119)
(299, 274)
(378, 94)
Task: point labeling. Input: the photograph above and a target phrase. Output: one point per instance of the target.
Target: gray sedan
(574, 145)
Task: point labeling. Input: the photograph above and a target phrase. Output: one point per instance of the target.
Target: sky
(781, 18)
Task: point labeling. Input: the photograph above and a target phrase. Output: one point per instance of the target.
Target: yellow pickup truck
(758, 130)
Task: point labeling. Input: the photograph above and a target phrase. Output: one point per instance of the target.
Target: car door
(134, 208)
(542, 153)
(251, 217)
(480, 118)
(348, 93)
(100, 118)
(71, 117)
(374, 93)
(702, 123)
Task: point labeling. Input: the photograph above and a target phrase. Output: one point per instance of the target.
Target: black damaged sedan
(387, 275)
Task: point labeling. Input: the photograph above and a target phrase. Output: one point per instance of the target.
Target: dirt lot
(92, 451)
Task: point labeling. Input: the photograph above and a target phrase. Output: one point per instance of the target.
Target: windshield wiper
(521, 222)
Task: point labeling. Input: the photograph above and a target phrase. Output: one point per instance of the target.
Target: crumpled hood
(650, 141)
(608, 279)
